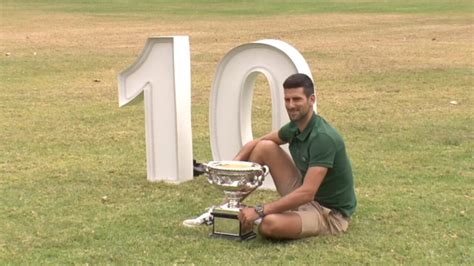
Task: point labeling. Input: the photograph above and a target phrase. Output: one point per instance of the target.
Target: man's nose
(290, 104)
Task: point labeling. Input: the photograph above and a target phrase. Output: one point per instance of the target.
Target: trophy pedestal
(227, 225)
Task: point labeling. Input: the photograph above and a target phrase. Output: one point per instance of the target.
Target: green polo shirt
(321, 145)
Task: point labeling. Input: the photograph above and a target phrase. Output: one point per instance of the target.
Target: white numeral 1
(162, 76)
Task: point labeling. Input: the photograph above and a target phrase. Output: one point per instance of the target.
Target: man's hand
(247, 216)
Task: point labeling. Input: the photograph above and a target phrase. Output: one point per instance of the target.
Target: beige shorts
(318, 220)
(315, 219)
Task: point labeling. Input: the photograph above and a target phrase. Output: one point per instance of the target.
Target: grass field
(73, 186)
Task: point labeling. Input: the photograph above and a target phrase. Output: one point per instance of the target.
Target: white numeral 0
(230, 113)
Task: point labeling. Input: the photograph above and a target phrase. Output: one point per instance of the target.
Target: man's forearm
(289, 202)
(302, 195)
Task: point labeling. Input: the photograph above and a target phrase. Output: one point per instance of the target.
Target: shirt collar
(303, 135)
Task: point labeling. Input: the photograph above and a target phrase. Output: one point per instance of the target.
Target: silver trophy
(237, 179)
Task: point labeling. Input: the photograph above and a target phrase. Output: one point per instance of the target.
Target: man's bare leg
(286, 178)
(286, 225)
(283, 170)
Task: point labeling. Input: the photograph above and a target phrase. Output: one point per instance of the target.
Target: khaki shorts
(317, 220)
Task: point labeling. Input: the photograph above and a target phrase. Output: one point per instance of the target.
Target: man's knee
(281, 226)
(266, 145)
(267, 226)
(270, 226)
(263, 150)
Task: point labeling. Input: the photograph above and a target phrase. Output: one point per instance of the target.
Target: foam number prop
(232, 90)
(162, 77)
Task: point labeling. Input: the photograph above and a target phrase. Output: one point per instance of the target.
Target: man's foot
(205, 219)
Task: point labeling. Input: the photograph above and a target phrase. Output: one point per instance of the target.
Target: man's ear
(312, 98)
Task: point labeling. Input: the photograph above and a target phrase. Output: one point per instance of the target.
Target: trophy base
(227, 225)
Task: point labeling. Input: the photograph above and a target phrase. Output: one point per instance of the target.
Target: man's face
(297, 104)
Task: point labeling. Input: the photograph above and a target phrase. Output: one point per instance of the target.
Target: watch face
(259, 210)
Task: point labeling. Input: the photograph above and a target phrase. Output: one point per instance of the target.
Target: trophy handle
(206, 172)
(206, 168)
(265, 170)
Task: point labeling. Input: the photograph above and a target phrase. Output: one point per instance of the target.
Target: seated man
(316, 184)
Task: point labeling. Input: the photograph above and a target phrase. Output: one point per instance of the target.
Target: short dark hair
(300, 80)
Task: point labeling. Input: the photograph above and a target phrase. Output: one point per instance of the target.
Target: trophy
(237, 179)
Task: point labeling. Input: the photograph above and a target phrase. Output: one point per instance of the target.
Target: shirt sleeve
(284, 133)
(322, 151)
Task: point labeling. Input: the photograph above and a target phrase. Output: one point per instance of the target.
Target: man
(316, 184)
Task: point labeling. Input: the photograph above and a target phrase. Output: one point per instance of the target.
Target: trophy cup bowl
(236, 179)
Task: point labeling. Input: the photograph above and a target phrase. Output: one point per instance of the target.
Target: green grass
(386, 72)
(200, 8)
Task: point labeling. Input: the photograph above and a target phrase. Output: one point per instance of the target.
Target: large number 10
(162, 76)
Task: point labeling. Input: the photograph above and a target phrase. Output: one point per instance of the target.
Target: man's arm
(304, 194)
(247, 149)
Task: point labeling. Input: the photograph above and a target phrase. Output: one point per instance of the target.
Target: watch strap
(259, 210)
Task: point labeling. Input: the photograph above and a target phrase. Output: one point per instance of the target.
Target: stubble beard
(301, 115)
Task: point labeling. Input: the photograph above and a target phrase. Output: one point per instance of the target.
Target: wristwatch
(259, 210)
